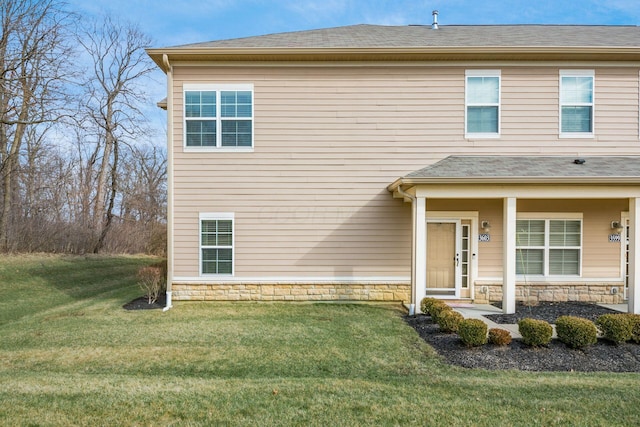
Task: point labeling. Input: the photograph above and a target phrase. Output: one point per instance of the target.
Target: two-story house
(371, 162)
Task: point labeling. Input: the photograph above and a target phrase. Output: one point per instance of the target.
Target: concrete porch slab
(623, 308)
(478, 311)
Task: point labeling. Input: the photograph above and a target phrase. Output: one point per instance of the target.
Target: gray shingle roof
(379, 36)
(514, 167)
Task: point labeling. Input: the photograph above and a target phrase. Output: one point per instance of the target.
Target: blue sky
(175, 22)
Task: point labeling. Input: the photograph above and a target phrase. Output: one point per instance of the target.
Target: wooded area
(78, 170)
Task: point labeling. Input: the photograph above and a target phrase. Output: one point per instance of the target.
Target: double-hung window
(548, 247)
(216, 243)
(482, 99)
(218, 116)
(576, 103)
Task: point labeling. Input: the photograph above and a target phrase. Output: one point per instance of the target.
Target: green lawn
(70, 355)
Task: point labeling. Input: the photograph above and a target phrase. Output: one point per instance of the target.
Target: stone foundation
(558, 292)
(292, 292)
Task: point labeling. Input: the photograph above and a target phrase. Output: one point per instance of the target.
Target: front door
(444, 258)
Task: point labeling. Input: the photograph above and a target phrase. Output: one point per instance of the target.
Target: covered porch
(525, 228)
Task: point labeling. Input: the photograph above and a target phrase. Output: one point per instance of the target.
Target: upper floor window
(482, 99)
(218, 116)
(576, 103)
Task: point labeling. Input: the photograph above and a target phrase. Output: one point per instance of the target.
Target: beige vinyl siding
(600, 258)
(311, 199)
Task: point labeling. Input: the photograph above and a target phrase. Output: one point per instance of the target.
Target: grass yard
(70, 355)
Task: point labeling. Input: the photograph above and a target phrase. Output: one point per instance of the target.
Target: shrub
(473, 332)
(576, 332)
(437, 309)
(151, 281)
(499, 336)
(449, 320)
(427, 303)
(162, 265)
(615, 327)
(635, 329)
(535, 332)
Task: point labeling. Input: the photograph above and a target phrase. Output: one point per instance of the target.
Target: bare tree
(34, 57)
(119, 65)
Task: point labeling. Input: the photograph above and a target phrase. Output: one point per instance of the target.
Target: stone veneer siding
(558, 292)
(292, 292)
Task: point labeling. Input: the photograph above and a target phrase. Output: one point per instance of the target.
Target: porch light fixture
(486, 227)
(616, 226)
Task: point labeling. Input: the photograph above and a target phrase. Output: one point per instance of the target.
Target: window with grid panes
(548, 247)
(218, 116)
(216, 245)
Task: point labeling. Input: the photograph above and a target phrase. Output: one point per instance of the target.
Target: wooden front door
(443, 258)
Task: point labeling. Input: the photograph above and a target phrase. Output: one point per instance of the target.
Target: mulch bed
(603, 356)
(550, 311)
(142, 303)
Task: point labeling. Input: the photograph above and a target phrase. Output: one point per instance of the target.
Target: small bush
(473, 332)
(151, 281)
(615, 327)
(437, 309)
(576, 332)
(499, 336)
(427, 303)
(535, 332)
(449, 320)
(635, 329)
(162, 265)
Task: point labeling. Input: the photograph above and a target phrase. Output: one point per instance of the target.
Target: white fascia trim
(521, 280)
(293, 280)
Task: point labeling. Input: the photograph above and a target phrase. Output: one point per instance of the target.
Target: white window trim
(547, 216)
(482, 73)
(218, 88)
(577, 73)
(211, 216)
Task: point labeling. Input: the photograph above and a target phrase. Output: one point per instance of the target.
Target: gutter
(412, 304)
(216, 54)
(586, 180)
(169, 108)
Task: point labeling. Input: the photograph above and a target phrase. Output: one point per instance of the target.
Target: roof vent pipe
(434, 26)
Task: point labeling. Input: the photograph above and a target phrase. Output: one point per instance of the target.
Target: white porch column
(420, 250)
(634, 256)
(509, 256)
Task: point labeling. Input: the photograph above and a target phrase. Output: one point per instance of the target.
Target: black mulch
(142, 303)
(550, 311)
(602, 356)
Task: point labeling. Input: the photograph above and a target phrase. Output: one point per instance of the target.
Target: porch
(525, 228)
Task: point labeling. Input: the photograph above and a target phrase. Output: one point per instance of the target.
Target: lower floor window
(216, 243)
(548, 247)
